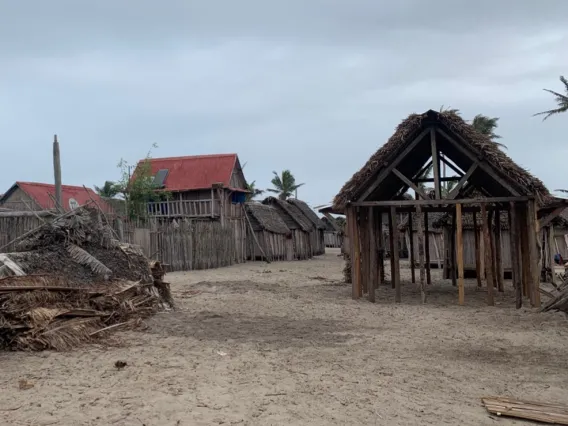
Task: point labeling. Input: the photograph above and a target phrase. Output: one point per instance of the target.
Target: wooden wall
(332, 239)
(275, 246)
(14, 227)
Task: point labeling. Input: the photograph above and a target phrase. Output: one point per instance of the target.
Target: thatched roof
(264, 217)
(481, 145)
(433, 217)
(308, 212)
(467, 220)
(292, 216)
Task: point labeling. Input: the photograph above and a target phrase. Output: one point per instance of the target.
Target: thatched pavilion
(435, 138)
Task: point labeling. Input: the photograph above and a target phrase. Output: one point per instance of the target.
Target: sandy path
(283, 344)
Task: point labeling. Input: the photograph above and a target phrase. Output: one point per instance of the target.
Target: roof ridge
(19, 182)
(192, 157)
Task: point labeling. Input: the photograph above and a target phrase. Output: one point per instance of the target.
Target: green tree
(139, 188)
(284, 185)
(253, 191)
(487, 125)
(109, 190)
(561, 100)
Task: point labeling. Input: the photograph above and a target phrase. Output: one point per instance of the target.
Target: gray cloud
(311, 86)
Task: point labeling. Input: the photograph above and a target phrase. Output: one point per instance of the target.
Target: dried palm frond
(84, 258)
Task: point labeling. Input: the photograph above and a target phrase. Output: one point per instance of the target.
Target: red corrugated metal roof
(195, 172)
(40, 193)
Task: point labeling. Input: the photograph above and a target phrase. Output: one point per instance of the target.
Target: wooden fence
(191, 244)
(13, 227)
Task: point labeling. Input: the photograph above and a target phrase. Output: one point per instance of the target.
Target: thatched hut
(318, 227)
(332, 237)
(272, 239)
(298, 225)
(432, 139)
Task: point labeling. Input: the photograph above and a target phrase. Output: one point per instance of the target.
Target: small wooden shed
(298, 225)
(317, 239)
(272, 239)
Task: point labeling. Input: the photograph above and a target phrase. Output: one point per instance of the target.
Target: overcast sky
(314, 86)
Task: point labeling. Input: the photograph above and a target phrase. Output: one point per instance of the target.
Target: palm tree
(561, 100)
(487, 125)
(253, 191)
(109, 190)
(284, 185)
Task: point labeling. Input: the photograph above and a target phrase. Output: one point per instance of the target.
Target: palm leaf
(84, 258)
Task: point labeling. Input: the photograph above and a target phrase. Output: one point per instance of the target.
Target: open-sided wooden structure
(428, 139)
(434, 253)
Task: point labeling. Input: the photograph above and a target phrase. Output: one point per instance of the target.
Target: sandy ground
(284, 344)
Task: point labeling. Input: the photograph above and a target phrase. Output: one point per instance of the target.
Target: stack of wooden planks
(537, 411)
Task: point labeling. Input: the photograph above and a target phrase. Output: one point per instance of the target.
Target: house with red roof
(24, 196)
(200, 186)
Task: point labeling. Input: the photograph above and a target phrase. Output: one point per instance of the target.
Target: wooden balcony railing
(186, 208)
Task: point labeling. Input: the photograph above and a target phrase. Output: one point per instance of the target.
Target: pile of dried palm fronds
(558, 297)
(73, 282)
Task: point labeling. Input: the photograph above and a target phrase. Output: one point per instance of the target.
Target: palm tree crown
(284, 184)
(109, 190)
(487, 125)
(561, 100)
(253, 191)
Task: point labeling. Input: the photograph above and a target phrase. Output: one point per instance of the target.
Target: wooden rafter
(410, 203)
(453, 194)
(451, 166)
(408, 182)
(387, 170)
(435, 164)
(545, 221)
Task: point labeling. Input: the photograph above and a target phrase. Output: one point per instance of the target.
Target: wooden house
(34, 196)
(432, 139)
(200, 186)
(318, 227)
(332, 237)
(433, 239)
(298, 225)
(272, 240)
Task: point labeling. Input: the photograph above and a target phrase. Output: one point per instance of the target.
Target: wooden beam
(57, 175)
(453, 271)
(551, 216)
(451, 166)
(403, 203)
(427, 249)
(498, 253)
(525, 255)
(365, 248)
(550, 250)
(536, 252)
(442, 179)
(391, 245)
(354, 249)
(476, 236)
(373, 258)
(488, 256)
(515, 266)
(492, 237)
(455, 191)
(409, 183)
(435, 164)
(459, 243)
(33, 213)
(422, 170)
(411, 248)
(420, 235)
(388, 169)
(395, 257)
(485, 167)
(380, 247)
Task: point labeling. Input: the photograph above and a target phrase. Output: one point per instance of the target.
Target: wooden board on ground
(537, 411)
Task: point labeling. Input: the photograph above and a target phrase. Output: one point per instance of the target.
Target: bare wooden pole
(453, 250)
(435, 165)
(350, 213)
(550, 249)
(515, 266)
(391, 246)
(427, 249)
(381, 247)
(535, 253)
(373, 259)
(459, 243)
(525, 255)
(57, 175)
(394, 257)
(488, 255)
(478, 271)
(365, 249)
(498, 254)
(420, 238)
(411, 248)
(492, 238)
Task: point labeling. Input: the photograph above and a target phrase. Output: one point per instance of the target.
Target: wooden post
(492, 241)
(411, 248)
(477, 251)
(525, 255)
(120, 227)
(459, 243)
(373, 259)
(57, 175)
(391, 246)
(535, 253)
(488, 255)
(435, 168)
(394, 256)
(427, 249)
(550, 248)
(420, 235)
(446, 245)
(453, 250)
(515, 267)
(365, 248)
(353, 250)
(380, 247)
(498, 253)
